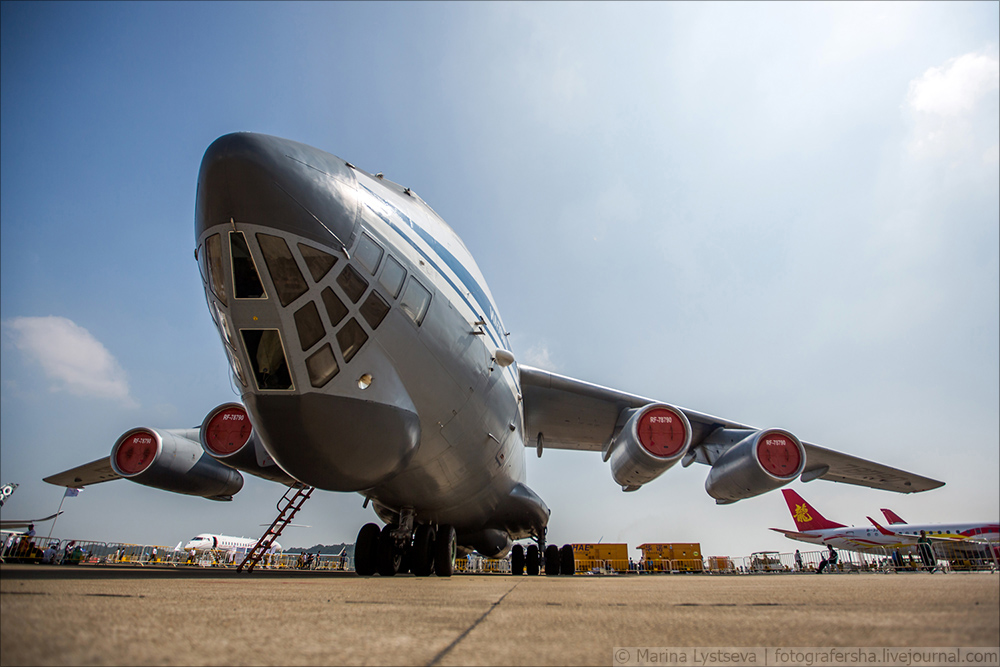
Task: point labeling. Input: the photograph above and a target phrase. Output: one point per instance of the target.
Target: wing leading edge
(89, 473)
(564, 413)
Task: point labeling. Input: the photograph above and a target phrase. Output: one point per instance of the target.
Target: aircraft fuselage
(362, 336)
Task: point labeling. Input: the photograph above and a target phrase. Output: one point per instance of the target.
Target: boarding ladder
(287, 507)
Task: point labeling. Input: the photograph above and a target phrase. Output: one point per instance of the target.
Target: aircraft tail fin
(806, 517)
(891, 517)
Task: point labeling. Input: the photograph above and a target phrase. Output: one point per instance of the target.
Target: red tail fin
(892, 517)
(806, 518)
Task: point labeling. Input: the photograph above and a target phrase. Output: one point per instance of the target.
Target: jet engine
(173, 460)
(228, 436)
(650, 440)
(759, 462)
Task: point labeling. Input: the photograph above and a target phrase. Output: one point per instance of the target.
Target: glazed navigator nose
(298, 311)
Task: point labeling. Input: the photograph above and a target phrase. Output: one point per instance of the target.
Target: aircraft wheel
(517, 560)
(532, 560)
(567, 560)
(388, 557)
(365, 549)
(551, 560)
(445, 550)
(422, 553)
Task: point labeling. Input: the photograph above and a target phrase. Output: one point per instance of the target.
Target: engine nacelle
(760, 462)
(651, 440)
(228, 436)
(173, 460)
(490, 542)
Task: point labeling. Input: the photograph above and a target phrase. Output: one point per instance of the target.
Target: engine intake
(759, 462)
(172, 460)
(228, 436)
(651, 440)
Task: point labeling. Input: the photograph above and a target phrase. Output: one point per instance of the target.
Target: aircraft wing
(564, 413)
(89, 473)
(24, 524)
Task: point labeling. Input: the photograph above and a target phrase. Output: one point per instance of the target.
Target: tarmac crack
(447, 649)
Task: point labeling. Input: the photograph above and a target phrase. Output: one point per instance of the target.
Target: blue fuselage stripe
(471, 285)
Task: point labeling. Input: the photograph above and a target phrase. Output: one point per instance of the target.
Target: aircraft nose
(337, 443)
(264, 180)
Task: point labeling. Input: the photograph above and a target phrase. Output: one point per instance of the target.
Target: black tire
(517, 560)
(365, 549)
(445, 551)
(532, 561)
(567, 560)
(422, 553)
(388, 557)
(551, 560)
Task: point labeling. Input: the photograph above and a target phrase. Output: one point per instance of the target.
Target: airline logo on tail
(801, 514)
(806, 517)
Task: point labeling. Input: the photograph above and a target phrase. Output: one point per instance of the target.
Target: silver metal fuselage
(419, 415)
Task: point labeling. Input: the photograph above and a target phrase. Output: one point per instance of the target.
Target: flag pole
(58, 512)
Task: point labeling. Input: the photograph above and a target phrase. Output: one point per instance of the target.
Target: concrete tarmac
(190, 616)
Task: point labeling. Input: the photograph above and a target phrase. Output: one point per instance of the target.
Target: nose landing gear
(556, 561)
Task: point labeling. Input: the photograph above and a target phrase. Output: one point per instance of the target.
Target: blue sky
(785, 214)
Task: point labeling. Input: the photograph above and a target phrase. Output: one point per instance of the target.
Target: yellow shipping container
(600, 551)
(671, 551)
(685, 555)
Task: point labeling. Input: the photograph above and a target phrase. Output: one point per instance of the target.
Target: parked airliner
(371, 358)
(947, 540)
(213, 541)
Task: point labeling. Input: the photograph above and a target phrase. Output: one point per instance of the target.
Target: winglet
(882, 530)
(806, 517)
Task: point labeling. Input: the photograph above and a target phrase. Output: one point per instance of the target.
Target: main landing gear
(557, 561)
(397, 549)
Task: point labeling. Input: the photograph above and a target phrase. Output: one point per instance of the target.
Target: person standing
(926, 553)
(798, 561)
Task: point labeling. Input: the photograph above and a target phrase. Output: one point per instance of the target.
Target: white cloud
(71, 357)
(956, 87)
(955, 108)
(539, 357)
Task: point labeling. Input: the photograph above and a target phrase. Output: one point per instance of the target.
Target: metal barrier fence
(476, 564)
(19, 548)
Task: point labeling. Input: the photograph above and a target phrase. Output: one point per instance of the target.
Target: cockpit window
(335, 308)
(322, 366)
(369, 253)
(202, 263)
(246, 280)
(351, 338)
(318, 262)
(374, 309)
(213, 249)
(352, 282)
(267, 358)
(392, 276)
(415, 301)
(309, 326)
(285, 274)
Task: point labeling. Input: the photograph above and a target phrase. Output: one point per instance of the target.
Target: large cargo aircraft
(371, 358)
(953, 540)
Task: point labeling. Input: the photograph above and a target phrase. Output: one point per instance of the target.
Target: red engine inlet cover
(661, 432)
(228, 430)
(778, 454)
(136, 452)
